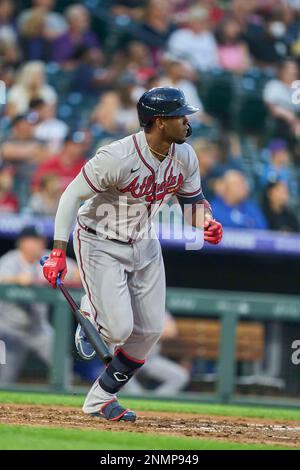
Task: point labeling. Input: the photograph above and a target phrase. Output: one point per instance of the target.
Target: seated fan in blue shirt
(233, 206)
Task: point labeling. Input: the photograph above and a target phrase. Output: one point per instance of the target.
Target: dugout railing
(229, 307)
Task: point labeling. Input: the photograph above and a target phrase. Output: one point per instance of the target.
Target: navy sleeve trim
(194, 193)
(191, 200)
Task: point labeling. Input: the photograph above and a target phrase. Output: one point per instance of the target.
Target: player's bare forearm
(60, 245)
(208, 215)
(200, 214)
(202, 217)
(197, 214)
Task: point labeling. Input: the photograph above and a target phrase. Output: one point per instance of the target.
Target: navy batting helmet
(162, 101)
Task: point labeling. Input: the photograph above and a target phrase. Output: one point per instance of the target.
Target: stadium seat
(200, 338)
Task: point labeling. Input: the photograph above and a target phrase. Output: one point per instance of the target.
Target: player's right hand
(55, 266)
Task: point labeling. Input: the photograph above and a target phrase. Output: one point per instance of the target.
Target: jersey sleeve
(77, 191)
(102, 171)
(190, 190)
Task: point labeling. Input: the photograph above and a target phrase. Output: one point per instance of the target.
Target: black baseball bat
(92, 334)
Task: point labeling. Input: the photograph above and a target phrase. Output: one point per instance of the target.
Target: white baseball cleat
(83, 346)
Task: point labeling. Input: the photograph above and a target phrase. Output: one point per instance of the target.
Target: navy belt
(91, 230)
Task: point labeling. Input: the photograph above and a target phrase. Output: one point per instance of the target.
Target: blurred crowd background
(74, 72)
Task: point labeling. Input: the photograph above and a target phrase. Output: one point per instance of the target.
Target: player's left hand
(213, 231)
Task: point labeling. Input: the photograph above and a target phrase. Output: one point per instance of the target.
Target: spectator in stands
(49, 129)
(133, 8)
(232, 50)
(245, 13)
(179, 75)
(196, 43)
(77, 35)
(45, 200)
(267, 43)
(216, 11)
(9, 52)
(138, 61)
(228, 152)
(157, 27)
(208, 160)
(116, 112)
(10, 59)
(8, 200)
(23, 151)
(25, 326)
(276, 210)
(55, 23)
(34, 42)
(234, 208)
(291, 18)
(104, 116)
(170, 376)
(30, 85)
(90, 76)
(278, 95)
(179, 10)
(278, 164)
(129, 93)
(68, 163)
(8, 32)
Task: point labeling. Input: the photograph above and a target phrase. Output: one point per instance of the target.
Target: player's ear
(160, 122)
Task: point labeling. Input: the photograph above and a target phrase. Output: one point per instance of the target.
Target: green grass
(156, 405)
(31, 437)
(37, 438)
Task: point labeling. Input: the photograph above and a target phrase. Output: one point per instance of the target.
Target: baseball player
(24, 326)
(118, 254)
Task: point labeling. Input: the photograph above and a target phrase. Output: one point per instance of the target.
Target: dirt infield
(242, 430)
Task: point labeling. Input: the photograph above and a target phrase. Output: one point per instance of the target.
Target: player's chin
(180, 140)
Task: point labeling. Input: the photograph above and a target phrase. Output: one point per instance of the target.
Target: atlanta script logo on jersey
(152, 190)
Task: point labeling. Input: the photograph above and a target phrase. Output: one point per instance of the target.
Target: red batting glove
(213, 231)
(54, 266)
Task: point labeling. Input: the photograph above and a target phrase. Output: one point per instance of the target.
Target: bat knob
(43, 260)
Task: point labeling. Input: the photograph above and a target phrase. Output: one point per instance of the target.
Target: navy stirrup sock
(119, 371)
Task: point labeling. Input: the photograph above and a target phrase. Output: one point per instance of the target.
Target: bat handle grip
(43, 261)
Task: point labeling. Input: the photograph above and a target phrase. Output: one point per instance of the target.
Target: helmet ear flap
(189, 131)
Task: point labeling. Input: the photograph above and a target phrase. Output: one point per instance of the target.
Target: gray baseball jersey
(130, 185)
